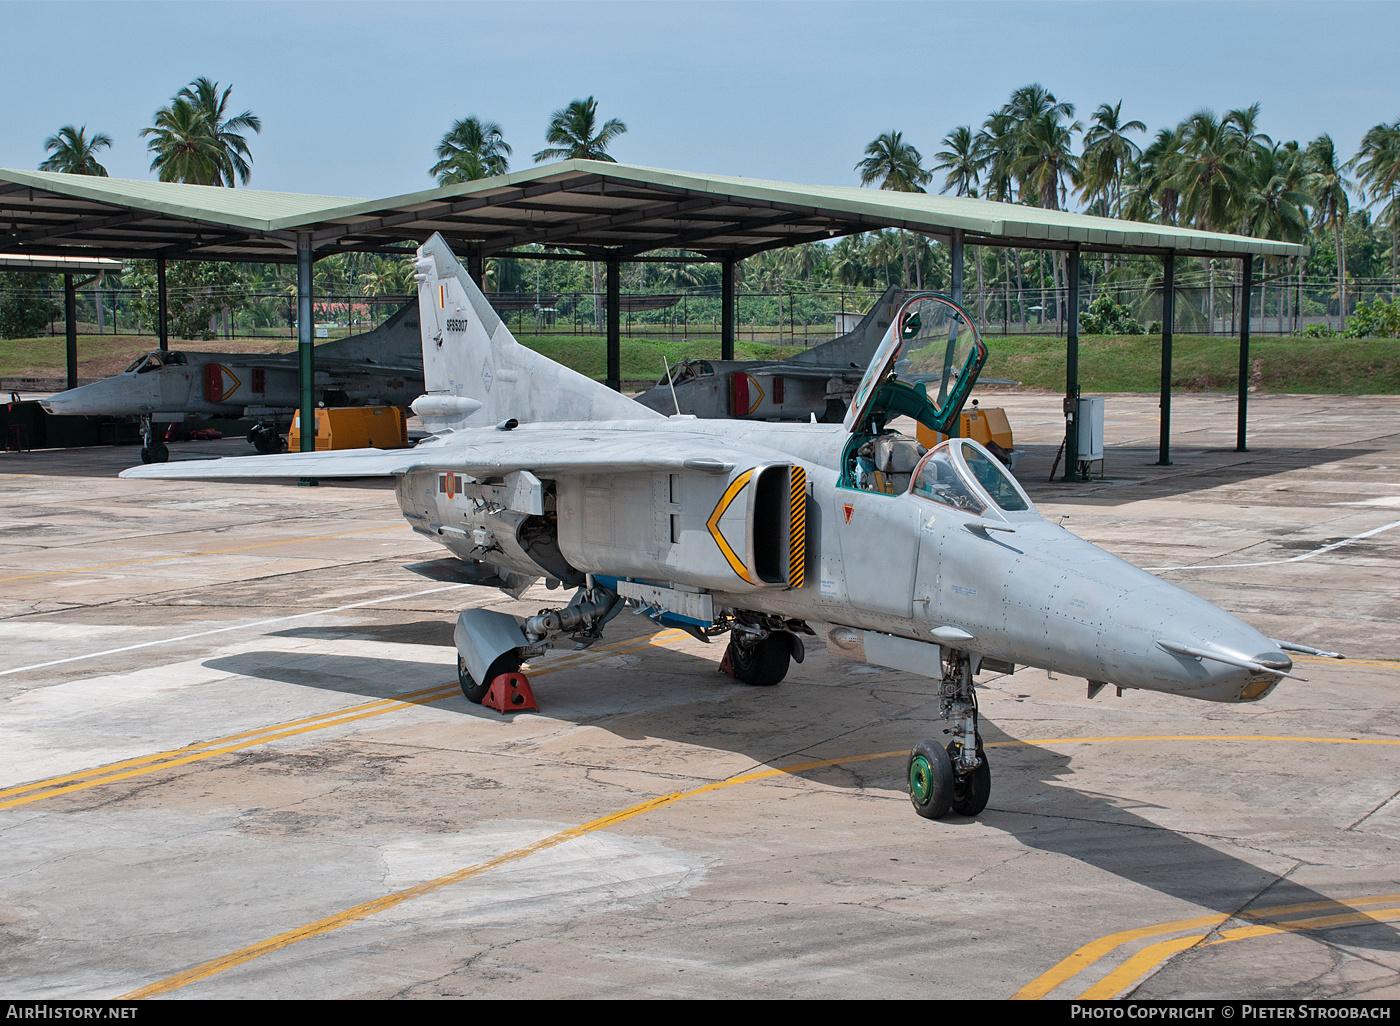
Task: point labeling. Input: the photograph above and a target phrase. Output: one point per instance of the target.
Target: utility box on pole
(1089, 422)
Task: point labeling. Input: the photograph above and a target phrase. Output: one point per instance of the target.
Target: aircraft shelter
(578, 209)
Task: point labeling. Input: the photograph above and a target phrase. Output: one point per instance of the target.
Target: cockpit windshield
(155, 361)
(957, 472)
(688, 370)
(149, 362)
(994, 479)
(938, 479)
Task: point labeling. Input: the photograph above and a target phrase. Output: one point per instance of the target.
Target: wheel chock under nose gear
(726, 665)
(509, 693)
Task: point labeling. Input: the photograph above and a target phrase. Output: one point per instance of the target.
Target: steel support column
(1164, 404)
(614, 379)
(162, 307)
(726, 307)
(70, 328)
(955, 287)
(306, 352)
(476, 270)
(1072, 369)
(1246, 298)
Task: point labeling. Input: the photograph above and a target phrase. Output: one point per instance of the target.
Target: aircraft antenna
(671, 383)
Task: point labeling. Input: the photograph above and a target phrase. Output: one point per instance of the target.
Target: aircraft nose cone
(1274, 660)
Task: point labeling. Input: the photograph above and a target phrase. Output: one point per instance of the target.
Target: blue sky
(354, 96)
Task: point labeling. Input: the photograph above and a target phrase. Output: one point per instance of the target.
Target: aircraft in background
(933, 562)
(383, 367)
(817, 382)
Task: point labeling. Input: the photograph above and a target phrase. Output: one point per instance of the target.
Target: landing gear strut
(956, 778)
(265, 438)
(153, 450)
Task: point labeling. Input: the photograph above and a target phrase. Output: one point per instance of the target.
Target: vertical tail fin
(470, 354)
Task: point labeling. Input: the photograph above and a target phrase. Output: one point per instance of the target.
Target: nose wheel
(956, 778)
(153, 450)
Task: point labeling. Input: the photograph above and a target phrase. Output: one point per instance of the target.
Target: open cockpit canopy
(924, 368)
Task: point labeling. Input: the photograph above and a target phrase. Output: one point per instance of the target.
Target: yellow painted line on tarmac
(52, 787)
(1144, 961)
(1074, 963)
(1191, 737)
(1085, 956)
(192, 555)
(1384, 664)
(388, 901)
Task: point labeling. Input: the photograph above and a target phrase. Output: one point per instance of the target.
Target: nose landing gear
(153, 450)
(956, 778)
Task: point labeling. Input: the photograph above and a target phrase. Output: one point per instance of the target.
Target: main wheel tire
(971, 791)
(146, 455)
(931, 782)
(764, 664)
(160, 454)
(474, 692)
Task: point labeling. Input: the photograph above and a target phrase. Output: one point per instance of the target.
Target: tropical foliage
(194, 141)
(576, 135)
(470, 150)
(26, 303)
(73, 153)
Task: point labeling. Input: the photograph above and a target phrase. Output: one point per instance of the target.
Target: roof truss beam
(379, 224)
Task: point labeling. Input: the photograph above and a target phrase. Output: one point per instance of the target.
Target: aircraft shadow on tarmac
(669, 694)
(1131, 474)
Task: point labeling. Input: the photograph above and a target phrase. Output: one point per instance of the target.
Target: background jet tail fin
(394, 342)
(469, 352)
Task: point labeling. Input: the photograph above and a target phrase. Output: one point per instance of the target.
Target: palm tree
(211, 105)
(1108, 153)
(894, 164)
(898, 167)
(1378, 164)
(574, 132)
(1044, 157)
(73, 153)
(473, 149)
(1156, 178)
(1330, 203)
(996, 144)
(1275, 204)
(184, 149)
(962, 160)
(1213, 172)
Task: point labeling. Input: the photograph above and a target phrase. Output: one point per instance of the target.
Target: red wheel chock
(726, 665)
(510, 692)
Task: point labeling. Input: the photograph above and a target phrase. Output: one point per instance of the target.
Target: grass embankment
(101, 356)
(1128, 363)
(1202, 363)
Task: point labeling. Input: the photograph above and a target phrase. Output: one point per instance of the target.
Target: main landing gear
(762, 647)
(153, 450)
(265, 438)
(955, 778)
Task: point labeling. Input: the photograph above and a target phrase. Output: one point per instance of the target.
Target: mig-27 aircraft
(383, 367)
(934, 563)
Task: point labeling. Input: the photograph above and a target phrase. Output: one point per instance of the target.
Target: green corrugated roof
(935, 212)
(239, 208)
(852, 209)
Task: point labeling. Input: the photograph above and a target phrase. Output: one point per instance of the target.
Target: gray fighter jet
(934, 563)
(817, 382)
(381, 367)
